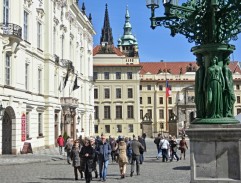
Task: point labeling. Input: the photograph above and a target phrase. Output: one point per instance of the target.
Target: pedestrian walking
(122, 159)
(173, 148)
(128, 149)
(60, 142)
(113, 145)
(75, 157)
(136, 146)
(87, 157)
(93, 144)
(68, 148)
(143, 143)
(103, 150)
(164, 146)
(183, 147)
(157, 142)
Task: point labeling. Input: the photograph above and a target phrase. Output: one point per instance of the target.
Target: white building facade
(46, 73)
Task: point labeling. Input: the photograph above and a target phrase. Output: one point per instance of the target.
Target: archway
(7, 130)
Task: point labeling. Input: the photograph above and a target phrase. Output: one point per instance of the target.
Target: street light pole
(211, 25)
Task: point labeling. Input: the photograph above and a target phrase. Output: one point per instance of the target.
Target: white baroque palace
(46, 73)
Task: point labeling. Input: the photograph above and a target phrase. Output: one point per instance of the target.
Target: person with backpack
(164, 146)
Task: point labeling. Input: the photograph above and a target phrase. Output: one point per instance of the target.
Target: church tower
(128, 43)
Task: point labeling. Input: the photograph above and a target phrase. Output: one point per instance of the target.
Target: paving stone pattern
(47, 166)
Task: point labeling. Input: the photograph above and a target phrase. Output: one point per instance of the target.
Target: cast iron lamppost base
(211, 25)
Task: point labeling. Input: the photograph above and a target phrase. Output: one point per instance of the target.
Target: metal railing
(11, 29)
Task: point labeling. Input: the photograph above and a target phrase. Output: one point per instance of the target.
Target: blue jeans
(102, 171)
(141, 158)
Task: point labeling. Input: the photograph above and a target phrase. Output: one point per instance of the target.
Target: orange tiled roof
(177, 67)
(117, 51)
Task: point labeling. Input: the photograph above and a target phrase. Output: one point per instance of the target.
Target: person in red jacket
(60, 142)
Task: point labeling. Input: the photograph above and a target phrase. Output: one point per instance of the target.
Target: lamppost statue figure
(214, 136)
(211, 25)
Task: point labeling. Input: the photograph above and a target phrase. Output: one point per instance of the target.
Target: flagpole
(167, 128)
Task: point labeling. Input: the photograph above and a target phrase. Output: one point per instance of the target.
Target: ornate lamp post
(214, 135)
(211, 25)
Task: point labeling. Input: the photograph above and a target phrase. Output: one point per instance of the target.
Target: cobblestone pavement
(49, 167)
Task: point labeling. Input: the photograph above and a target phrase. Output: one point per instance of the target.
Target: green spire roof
(127, 39)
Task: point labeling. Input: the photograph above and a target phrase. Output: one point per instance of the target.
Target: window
(140, 87)
(107, 75)
(118, 112)
(96, 112)
(107, 128)
(130, 111)
(95, 75)
(27, 125)
(149, 100)
(118, 75)
(161, 114)
(169, 100)
(25, 26)
(5, 11)
(40, 128)
(39, 80)
(39, 35)
(107, 93)
(141, 114)
(170, 111)
(130, 128)
(107, 112)
(160, 87)
(238, 111)
(119, 128)
(149, 111)
(129, 75)
(96, 129)
(237, 87)
(26, 76)
(118, 92)
(130, 93)
(95, 93)
(238, 99)
(148, 87)
(160, 100)
(140, 100)
(7, 69)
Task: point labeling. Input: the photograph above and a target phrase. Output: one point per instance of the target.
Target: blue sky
(154, 45)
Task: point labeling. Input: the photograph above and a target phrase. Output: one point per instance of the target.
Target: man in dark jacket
(136, 147)
(103, 150)
(143, 143)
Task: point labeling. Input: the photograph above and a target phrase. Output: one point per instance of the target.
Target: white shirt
(164, 144)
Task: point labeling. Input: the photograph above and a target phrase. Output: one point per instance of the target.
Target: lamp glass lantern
(153, 3)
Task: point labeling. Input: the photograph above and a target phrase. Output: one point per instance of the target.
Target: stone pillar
(215, 153)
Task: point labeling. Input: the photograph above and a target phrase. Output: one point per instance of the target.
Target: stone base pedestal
(173, 129)
(215, 153)
(147, 128)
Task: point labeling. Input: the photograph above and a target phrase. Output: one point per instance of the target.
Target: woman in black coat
(87, 158)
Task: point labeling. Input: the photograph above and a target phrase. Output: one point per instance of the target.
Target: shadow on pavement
(182, 168)
(59, 179)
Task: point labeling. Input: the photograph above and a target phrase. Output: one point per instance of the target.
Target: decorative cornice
(40, 12)
(63, 28)
(56, 21)
(28, 2)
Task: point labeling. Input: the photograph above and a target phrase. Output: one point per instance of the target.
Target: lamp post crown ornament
(211, 25)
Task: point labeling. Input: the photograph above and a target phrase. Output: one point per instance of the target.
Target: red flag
(168, 89)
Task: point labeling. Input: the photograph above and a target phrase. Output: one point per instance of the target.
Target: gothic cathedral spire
(106, 35)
